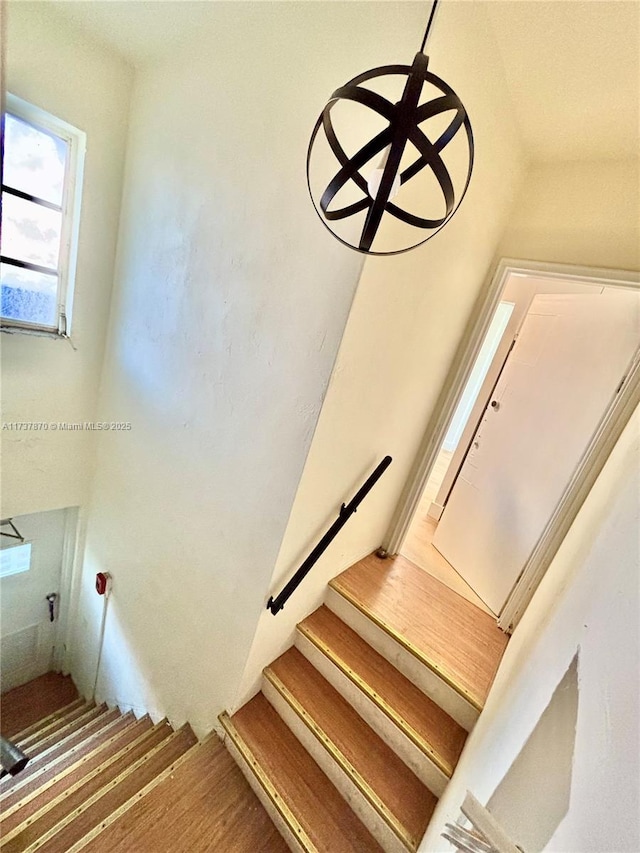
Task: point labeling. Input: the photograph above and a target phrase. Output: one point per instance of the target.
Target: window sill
(38, 333)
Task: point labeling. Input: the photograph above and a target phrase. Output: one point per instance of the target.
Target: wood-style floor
(386, 779)
(25, 705)
(455, 638)
(205, 805)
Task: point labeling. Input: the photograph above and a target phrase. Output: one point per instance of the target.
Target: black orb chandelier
(354, 205)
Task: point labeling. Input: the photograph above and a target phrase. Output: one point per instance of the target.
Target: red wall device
(102, 579)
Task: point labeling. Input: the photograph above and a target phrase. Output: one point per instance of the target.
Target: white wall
(230, 303)
(548, 754)
(51, 64)
(406, 321)
(587, 601)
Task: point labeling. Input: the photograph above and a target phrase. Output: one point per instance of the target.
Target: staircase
(88, 764)
(101, 781)
(359, 727)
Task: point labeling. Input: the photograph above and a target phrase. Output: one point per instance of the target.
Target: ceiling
(573, 71)
(572, 66)
(140, 30)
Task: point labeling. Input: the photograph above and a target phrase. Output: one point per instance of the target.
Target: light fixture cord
(429, 23)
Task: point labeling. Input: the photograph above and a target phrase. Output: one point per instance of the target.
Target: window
(41, 189)
(15, 559)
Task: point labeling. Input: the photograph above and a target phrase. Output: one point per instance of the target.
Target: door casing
(592, 461)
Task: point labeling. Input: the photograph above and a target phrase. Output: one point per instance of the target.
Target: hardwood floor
(59, 778)
(25, 705)
(453, 637)
(60, 809)
(93, 813)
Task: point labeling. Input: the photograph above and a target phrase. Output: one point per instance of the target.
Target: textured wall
(230, 302)
(54, 66)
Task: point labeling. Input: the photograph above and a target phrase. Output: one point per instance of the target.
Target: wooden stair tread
(48, 790)
(170, 749)
(453, 637)
(75, 724)
(394, 790)
(74, 799)
(428, 726)
(55, 725)
(30, 703)
(20, 736)
(50, 770)
(315, 803)
(205, 805)
(71, 744)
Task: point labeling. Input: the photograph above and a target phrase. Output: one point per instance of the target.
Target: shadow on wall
(533, 797)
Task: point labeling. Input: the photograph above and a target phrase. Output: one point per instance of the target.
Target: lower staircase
(88, 764)
(359, 727)
(102, 781)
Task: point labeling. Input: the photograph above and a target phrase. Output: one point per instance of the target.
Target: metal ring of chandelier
(404, 120)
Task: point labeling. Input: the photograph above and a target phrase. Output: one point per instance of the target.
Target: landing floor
(452, 636)
(25, 705)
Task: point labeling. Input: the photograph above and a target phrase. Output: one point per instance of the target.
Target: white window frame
(71, 203)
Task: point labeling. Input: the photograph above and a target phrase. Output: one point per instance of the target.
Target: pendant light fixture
(402, 171)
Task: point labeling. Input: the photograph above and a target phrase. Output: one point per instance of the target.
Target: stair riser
(417, 672)
(428, 772)
(361, 806)
(292, 842)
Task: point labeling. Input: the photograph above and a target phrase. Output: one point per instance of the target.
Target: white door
(30, 572)
(571, 354)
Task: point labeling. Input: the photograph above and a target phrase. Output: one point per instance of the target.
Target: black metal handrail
(276, 604)
(12, 758)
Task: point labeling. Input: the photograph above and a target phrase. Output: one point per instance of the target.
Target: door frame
(608, 432)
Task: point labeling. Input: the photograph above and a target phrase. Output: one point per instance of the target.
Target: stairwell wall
(54, 65)
(229, 304)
